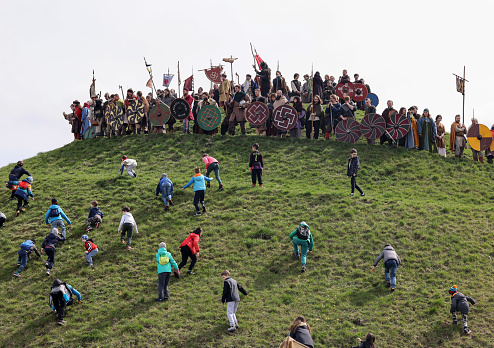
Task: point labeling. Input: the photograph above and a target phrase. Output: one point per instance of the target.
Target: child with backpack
(127, 226)
(231, 297)
(15, 175)
(352, 170)
(128, 164)
(23, 193)
(199, 182)
(165, 262)
(303, 238)
(256, 164)
(91, 249)
(95, 216)
(190, 248)
(54, 216)
(459, 303)
(24, 252)
(165, 186)
(61, 296)
(48, 246)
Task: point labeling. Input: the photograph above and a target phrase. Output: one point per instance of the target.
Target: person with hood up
(165, 262)
(22, 193)
(165, 186)
(302, 237)
(54, 217)
(61, 297)
(48, 246)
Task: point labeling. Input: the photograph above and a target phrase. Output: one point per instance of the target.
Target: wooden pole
(178, 67)
(463, 94)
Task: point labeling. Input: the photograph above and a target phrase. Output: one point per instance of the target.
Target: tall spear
(148, 67)
(311, 89)
(178, 76)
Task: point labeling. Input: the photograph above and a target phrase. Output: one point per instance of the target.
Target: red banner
(214, 74)
(189, 83)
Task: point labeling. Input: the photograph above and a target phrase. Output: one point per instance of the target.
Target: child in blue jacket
(61, 297)
(54, 216)
(165, 186)
(199, 182)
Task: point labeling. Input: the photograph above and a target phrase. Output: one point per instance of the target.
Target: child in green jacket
(303, 238)
(165, 262)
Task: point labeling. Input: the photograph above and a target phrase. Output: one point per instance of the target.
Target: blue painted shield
(374, 99)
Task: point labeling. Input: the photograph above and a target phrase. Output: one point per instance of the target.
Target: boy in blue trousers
(199, 182)
(165, 186)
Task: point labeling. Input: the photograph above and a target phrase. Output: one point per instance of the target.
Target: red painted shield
(398, 126)
(285, 117)
(214, 74)
(372, 126)
(344, 89)
(348, 131)
(360, 92)
(257, 113)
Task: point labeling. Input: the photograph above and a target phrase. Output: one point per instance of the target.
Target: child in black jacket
(231, 297)
(352, 169)
(256, 164)
(459, 303)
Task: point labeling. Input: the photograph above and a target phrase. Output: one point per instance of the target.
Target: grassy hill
(436, 212)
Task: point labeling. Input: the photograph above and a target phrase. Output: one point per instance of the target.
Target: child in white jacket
(127, 225)
(129, 164)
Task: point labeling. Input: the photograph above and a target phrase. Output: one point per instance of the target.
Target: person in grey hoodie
(391, 262)
(54, 216)
(231, 297)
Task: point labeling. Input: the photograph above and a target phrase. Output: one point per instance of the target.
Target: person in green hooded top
(427, 132)
(165, 262)
(303, 238)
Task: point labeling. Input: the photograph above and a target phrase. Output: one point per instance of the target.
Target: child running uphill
(231, 297)
(165, 186)
(3, 218)
(48, 246)
(165, 262)
(352, 170)
(15, 175)
(91, 249)
(95, 216)
(24, 252)
(128, 164)
(22, 193)
(54, 215)
(256, 164)
(303, 238)
(61, 297)
(190, 248)
(459, 303)
(199, 182)
(212, 165)
(127, 225)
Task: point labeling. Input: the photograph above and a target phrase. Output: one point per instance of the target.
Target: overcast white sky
(406, 51)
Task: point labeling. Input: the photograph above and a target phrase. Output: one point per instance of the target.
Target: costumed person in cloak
(279, 101)
(477, 155)
(125, 122)
(228, 112)
(188, 98)
(389, 111)
(457, 141)
(260, 130)
(224, 89)
(441, 131)
(105, 122)
(265, 76)
(427, 132)
(279, 83)
(409, 138)
(306, 94)
(86, 124)
(239, 103)
(318, 85)
(206, 100)
(167, 98)
(249, 86)
(77, 120)
(296, 87)
(142, 125)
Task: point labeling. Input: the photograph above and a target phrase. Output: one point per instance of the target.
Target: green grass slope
(436, 212)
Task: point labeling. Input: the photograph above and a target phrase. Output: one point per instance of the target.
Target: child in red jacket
(190, 248)
(91, 249)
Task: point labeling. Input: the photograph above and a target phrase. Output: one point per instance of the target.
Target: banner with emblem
(167, 79)
(460, 84)
(214, 74)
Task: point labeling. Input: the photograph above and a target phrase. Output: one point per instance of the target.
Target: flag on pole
(189, 83)
(150, 83)
(460, 85)
(167, 79)
(214, 74)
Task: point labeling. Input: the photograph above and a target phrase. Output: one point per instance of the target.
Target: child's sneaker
(129, 248)
(362, 194)
(18, 265)
(197, 213)
(253, 185)
(97, 224)
(295, 255)
(122, 241)
(23, 208)
(48, 272)
(208, 185)
(467, 331)
(261, 185)
(303, 268)
(455, 322)
(231, 329)
(89, 228)
(46, 264)
(351, 194)
(220, 188)
(61, 322)
(393, 289)
(167, 207)
(17, 213)
(203, 208)
(189, 272)
(388, 284)
(158, 300)
(170, 201)
(17, 274)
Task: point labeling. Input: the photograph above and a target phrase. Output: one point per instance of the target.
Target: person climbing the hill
(95, 216)
(127, 226)
(368, 343)
(3, 218)
(212, 165)
(459, 303)
(24, 252)
(48, 246)
(22, 193)
(199, 182)
(61, 296)
(91, 249)
(54, 216)
(256, 164)
(165, 186)
(352, 170)
(165, 262)
(231, 297)
(391, 262)
(128, 164)
(300, 331)
(302, 237)
(15, 175)
(190, 248)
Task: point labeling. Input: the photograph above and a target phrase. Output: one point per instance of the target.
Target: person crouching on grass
(459, 303)
(199, 182)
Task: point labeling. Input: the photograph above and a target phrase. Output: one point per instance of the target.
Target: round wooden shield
(398, 126)
(348, 131)
(180, 109)
(372, 126)
(344, 89)
(90, 133)
(116, 117)
(479, 137)
(135, 111)
(374, 99)
(257, 113)
(285, 117)
(360, 92)
(159, 114)
(209, 117)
